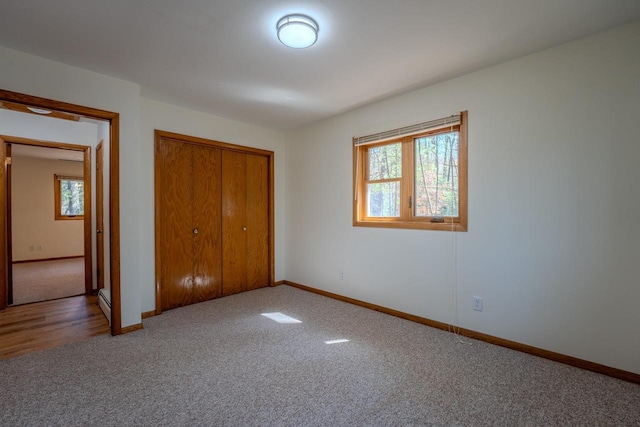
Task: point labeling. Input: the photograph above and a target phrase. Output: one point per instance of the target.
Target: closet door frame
(161, 135)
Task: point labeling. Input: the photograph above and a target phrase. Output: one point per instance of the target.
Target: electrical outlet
(32, 248)
(477, 303)
(38, 248)
(341, 275)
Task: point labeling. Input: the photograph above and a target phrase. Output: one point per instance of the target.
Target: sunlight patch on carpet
(281, 318)
(338, 341)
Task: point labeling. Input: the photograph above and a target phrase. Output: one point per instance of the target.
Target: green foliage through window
(384, 199)
(71, 197)
(413, 177)
(385, 161)
(385, 164)
(436, 175)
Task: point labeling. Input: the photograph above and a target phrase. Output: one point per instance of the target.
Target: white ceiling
(223, 56)
(19, 150)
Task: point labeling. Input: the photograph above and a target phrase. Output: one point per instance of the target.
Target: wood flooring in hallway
(48, 324)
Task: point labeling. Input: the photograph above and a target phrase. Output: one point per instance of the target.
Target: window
(68, 194)
(414, 177)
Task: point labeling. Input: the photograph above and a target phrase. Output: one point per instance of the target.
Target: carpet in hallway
(46, 280)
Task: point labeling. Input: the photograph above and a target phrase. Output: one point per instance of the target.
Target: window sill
(413, 225)
(69, 218)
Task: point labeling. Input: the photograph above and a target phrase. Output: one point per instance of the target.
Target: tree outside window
(69, 197)
(414, 181)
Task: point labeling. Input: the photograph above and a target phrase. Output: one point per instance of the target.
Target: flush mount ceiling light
(39, 110)
(297, 31)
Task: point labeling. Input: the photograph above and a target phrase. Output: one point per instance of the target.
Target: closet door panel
(234, 245)
(175, 229)
(257, 213)
(207, 252)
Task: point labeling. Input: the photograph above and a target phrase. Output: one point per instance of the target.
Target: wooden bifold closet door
(213, 223)
(244, 222)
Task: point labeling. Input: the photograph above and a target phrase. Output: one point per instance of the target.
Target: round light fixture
(297, 31)
(39, 110)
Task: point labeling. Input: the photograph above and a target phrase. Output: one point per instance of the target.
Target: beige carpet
(45, 280)
(222, 363)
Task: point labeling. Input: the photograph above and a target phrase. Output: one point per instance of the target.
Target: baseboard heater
(104, 301)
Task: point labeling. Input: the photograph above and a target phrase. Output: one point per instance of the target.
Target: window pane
(385, 161)
(436, 176)
(71, 197)
(383, 199)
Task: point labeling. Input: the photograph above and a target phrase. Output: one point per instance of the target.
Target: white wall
(35, 233)
(161, 116)
(553, 240)
(48, 79)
